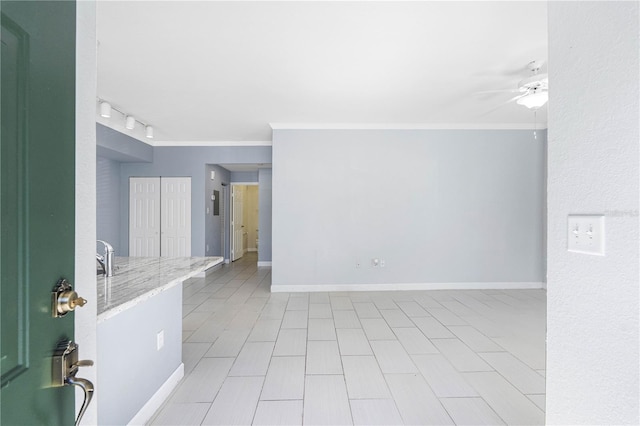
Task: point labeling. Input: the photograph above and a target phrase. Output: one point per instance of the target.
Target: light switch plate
(585, 234)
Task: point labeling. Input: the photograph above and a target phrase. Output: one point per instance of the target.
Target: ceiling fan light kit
(534, 100)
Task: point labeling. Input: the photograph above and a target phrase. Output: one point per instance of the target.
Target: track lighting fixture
(105, 109)
(129, 120)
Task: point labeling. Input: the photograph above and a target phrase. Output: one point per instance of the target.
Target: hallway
(410, 357)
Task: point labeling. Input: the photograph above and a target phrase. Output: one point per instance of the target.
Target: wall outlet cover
(585, 234)
(160, 340)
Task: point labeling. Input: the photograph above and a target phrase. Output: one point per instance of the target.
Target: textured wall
(592, 344)
(439, 206)
(108, 203)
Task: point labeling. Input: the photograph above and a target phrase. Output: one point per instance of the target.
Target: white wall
(593, 338)
(442, 208)
(85, 233)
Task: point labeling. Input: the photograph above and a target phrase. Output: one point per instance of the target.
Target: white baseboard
(406, 286)
(227, 261)
(206, 272)
(264, 263)
(252, 249)
(158, 398)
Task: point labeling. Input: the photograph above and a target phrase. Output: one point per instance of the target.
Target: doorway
(244, 219)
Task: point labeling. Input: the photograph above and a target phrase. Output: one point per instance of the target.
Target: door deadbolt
(65, 299)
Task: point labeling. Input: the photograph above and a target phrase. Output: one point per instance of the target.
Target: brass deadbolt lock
(65, 299)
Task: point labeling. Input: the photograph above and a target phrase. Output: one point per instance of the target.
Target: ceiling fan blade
(515, 98)
(484, 92)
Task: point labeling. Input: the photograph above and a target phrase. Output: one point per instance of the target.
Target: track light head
(130, 122)
(105, 109)
(149, 131)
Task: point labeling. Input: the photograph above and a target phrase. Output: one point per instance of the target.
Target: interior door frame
(85, 321)
(231, 224)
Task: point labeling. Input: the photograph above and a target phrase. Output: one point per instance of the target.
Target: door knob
(64, 299)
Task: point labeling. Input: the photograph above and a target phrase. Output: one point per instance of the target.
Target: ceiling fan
(533, 91)
(535, 88)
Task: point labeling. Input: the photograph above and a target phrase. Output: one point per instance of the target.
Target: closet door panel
(144, 216)
(176, 217)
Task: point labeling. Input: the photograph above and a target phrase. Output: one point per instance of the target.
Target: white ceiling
(214, 71)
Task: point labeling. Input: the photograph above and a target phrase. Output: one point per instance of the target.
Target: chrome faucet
(106, 260)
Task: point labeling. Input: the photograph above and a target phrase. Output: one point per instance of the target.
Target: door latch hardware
(65, 368)
(64, 299)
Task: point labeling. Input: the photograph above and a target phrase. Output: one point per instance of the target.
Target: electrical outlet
(160, 340)
(357, 264)
(585, 234)
(382, 263)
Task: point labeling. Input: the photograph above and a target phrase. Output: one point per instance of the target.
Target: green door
(37, 201)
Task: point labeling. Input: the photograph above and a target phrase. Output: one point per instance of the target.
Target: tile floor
(363, 358)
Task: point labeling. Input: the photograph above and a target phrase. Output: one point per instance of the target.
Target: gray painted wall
(439, 206)
(244, 176)
(120, 147)
(213, 229)
(108, 203)
(131, 370)
(264, 219)
(187, 161)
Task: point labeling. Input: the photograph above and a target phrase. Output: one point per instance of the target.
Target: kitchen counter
(137, 279)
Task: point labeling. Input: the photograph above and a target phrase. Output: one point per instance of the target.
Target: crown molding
(408, 126)
(211, 143)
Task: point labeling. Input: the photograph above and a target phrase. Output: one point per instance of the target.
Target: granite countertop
(137, 279)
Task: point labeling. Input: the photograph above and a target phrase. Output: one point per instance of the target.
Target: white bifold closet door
(160, 216)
